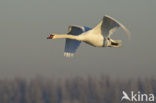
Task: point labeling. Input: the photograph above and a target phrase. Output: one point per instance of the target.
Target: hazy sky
(25, 52)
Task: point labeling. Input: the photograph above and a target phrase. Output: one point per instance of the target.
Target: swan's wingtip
(68, 55)
(121, 25)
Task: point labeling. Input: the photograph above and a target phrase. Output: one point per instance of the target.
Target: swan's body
(94, 40)
(99, 36)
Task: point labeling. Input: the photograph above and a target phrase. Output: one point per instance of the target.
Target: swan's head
(51, 36)
(113, 43)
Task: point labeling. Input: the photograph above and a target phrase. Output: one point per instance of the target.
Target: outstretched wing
(72, 45)
(109, 25)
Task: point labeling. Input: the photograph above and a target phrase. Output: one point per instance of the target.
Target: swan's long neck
(64, 36)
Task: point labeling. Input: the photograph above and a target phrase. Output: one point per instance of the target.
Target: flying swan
(99, 36)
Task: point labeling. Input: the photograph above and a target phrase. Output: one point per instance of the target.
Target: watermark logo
(125, 96)
(137, 97)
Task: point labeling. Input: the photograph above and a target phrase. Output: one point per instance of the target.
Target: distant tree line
(72, 90)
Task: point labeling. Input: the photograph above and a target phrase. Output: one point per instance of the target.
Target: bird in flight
(99, 36)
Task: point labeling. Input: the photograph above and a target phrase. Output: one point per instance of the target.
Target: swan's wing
(108, 26)
(72, 45)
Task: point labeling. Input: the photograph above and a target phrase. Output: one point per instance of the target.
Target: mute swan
(99, 36)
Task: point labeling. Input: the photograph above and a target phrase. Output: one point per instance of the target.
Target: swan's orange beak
(50, 36)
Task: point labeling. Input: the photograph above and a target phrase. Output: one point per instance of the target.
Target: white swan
(99, 36)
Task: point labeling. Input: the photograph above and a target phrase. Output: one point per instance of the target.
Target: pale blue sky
(25, 52)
